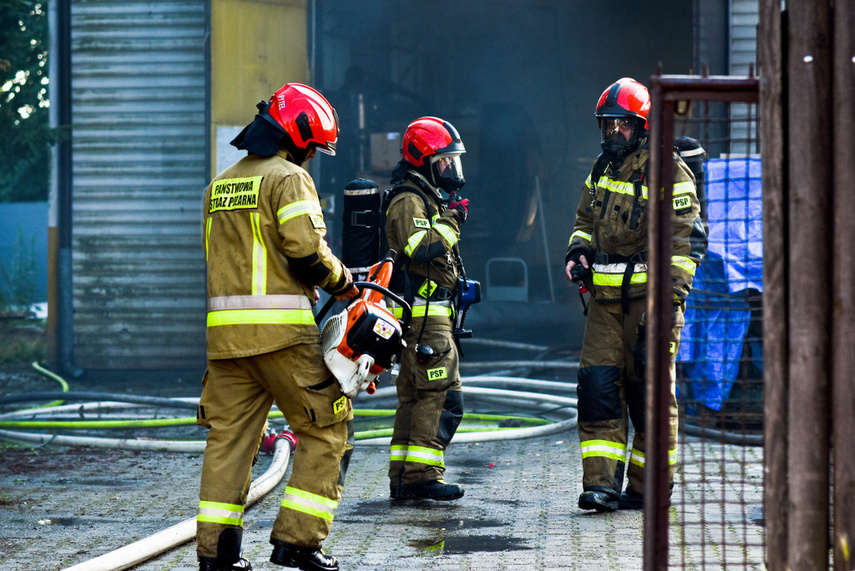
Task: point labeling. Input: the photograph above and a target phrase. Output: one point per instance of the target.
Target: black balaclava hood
(260, 138)
(263, 138)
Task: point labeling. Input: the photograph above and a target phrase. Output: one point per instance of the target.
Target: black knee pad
(452, 414)
(599, 394)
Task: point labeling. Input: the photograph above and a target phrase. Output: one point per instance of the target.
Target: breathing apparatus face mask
(447, 172)
(620, 136)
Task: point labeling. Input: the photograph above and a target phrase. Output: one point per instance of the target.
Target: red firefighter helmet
(624, 98)
(433, 147)
(430, 136)
(305, 115)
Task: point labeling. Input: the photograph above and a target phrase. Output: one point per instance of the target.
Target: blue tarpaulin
(718, 315)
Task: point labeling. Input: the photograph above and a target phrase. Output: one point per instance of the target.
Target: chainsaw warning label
(437, 374)
(383, 328)
(235, 193)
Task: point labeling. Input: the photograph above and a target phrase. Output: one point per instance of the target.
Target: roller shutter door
(139, 167)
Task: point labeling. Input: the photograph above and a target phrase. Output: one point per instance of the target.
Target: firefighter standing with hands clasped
(607, 254)
(424, 228)
(266, 257)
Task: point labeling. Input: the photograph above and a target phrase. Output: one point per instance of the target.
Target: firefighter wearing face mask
(607, 253)
(424, 229)
(266, 256)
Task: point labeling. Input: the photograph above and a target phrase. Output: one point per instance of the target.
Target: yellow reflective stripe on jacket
(418, 455)
(261, 317)
(685, 187)
(603, 449)
(279, 309)
(207, 236)
(297, 209)
(414, 241)
(218, 512)
(684, 263)
(308, 503)
(620, 187)
(447, 234)
(279, 301)
(580, 234)
(259, 257)
(616, 280)
(432, 311)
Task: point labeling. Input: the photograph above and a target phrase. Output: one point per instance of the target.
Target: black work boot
(304, 558)
(439, 490)
(599, 500)
(214, 564)
(631, 500)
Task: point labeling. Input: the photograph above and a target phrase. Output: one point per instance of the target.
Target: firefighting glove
(580, 274)
(460, 208)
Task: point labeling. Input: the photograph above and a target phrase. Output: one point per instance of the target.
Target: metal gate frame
(666, 92)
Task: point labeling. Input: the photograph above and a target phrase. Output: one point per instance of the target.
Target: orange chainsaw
(363, 340)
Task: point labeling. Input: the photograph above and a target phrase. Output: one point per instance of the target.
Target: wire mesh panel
(716, 516)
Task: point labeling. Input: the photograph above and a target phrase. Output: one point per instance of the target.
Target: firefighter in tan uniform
(608, 254)
(266, 257)
(424, 231)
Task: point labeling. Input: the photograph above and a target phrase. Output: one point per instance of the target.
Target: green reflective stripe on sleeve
(580, 234)
(422, 455)
(259, 257)
(414, 242)
(685, 187)
(603, 449)
(588, 182)
(217, 512)
(432, 311)
(308, 503)
(335, 274)
(447, 234)
(615, 280)
(398, 453)
(672, 457)
(684, 263)
(261, 317)
(298, 208)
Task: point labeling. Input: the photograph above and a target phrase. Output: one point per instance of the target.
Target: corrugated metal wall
(744, 16)
(140, 156)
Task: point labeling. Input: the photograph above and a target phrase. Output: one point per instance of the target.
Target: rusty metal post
(810, 177)
(843, 313)
(659, 300)
(773, 137)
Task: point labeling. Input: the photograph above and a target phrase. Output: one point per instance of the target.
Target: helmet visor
(618, 126)
(447, 167)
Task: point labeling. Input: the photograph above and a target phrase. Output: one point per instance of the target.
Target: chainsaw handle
(408, 312)
(320, 315)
